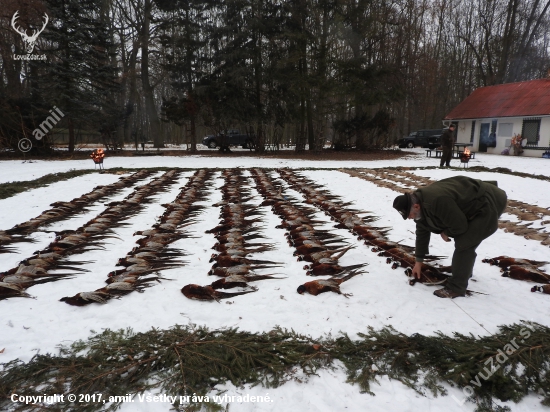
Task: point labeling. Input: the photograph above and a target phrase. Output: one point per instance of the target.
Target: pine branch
(192, 360)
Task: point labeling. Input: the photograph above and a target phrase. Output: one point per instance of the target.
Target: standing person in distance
(447, 143)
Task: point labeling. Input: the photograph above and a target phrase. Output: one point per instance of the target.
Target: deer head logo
(29, 41)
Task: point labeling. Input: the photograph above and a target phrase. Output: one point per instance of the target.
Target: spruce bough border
(188, 360)
(10, 189)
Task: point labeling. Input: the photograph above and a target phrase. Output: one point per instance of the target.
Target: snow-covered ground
(381, 296)
(15, 170)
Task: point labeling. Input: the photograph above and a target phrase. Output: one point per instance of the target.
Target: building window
(530, 130)
(472, 131)
(505, 129)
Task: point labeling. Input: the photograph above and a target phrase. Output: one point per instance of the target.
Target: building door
(484, 136)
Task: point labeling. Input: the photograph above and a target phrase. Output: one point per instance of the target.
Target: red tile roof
(530, 98)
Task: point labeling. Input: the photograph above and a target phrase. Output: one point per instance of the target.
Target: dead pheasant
(85, 298)
(429, 275)
(198, 292)
(385, 244)
(234, 281)
(243, 269)
(313, 242)
(334, 254)
(102, 295)
(251, 248)
(506, 261)
(223, 260)
(324, 269)
(131, 279)
(332, 284)
(8, 290)
(526, 273)
(543, 289)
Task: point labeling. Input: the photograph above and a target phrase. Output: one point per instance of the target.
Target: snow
(15, 170)
(381, 296)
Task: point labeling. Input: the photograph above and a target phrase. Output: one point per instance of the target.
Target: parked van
(430, 138)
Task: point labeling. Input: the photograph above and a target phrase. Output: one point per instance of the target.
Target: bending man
(458, 207)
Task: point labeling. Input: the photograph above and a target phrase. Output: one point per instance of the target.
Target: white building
(491, 116)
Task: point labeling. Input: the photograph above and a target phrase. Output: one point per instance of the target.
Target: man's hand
(416, 271)
(445, 237)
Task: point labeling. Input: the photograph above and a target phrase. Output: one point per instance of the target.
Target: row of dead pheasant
(523, 269)
(398, 255)
(234, 233)
(318, 247)
(142, 264)
(64, 210)
(36, 269)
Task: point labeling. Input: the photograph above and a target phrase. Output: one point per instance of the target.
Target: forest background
(355, 73)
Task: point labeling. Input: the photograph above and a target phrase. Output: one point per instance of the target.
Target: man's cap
(402, 204)
(452, 125)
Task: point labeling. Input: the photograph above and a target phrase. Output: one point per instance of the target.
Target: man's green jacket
(456, 207)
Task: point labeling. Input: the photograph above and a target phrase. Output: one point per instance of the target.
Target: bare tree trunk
(190, 79)
(258, 79)
(129, 129)
(193, 135)
(148, 91)
(507, 41)
(355, 45)
(71, 134)
(309, 115)
(12, 72)
(301, 138)
(322, 74)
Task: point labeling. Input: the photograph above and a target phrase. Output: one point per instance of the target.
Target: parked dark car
(231, 138)
(430, 138)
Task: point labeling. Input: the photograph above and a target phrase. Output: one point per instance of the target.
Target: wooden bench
(437, 152)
